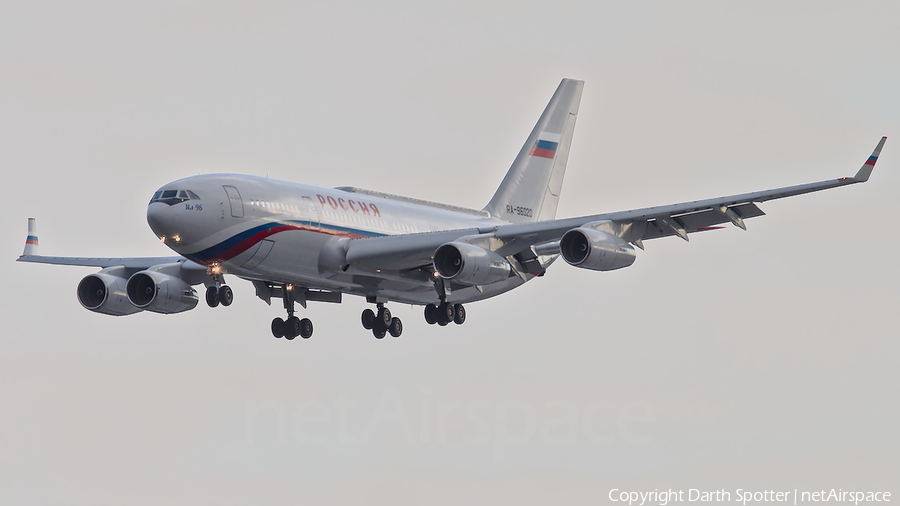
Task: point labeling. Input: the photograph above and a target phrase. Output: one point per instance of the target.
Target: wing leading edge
(414, 251)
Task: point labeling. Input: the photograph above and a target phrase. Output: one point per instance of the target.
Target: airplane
(302, 243)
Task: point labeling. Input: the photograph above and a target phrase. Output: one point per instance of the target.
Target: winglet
(866, 170)
(31, 242)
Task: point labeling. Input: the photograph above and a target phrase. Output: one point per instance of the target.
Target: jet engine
(595, 250)
(160, 293)
(470, 265)
(104, 292)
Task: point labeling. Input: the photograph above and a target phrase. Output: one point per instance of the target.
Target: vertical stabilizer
(530, 191)
(31, 242)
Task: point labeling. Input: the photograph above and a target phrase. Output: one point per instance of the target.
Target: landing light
(289, 287)
(177, 238)
(162, 238)
(214, 269)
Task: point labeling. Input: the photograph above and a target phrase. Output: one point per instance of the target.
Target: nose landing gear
(212, 296)
(226, 296)
(219, 295)
(219, 292)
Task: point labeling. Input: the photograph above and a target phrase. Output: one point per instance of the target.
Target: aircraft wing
(416, 250)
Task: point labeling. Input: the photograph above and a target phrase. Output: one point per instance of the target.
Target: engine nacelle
(160, 293)
(470, 265)
(592, 249)
(104, 293)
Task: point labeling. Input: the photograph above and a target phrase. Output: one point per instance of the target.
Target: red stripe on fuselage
(249, 242)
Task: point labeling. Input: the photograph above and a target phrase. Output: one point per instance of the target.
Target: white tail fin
(31, 242)
(530, 191)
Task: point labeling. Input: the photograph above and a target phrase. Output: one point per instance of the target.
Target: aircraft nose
(157, 218)
(174, 216)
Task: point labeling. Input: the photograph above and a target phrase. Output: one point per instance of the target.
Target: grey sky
(764, 359)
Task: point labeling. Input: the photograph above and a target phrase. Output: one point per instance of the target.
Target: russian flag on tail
(545, 145)
(31, 241)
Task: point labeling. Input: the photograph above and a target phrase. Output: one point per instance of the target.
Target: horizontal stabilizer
(127, 262)
(31, 255)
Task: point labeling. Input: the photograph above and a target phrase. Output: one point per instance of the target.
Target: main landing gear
(444, 313)
(293, 326)
(381, 323)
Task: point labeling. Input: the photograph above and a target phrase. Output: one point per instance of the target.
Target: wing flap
(698, 221)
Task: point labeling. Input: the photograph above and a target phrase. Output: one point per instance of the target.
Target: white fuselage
(265, 229)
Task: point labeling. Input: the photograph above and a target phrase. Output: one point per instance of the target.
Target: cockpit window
(173, 197)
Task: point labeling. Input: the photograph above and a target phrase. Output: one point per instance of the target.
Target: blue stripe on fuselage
(221, 248)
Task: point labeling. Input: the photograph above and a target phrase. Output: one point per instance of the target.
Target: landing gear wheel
(446, 313)
(278, 328)
(460, 317)
(379, 332)
(396, 327)
(431, 314)
(384, 316)
(212, 296)
(368, 319)
(442, 323)
(226, 296)
(306, 328)
(291, 328)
